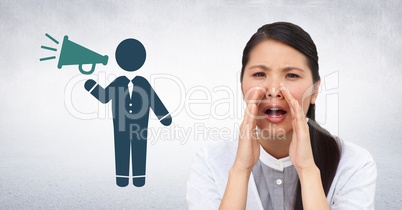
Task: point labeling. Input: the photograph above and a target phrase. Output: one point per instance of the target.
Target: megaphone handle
(87, 72)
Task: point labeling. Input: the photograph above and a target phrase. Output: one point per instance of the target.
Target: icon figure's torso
(134, 109)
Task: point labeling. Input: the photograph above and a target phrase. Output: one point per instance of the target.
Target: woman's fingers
(296, 110)
(256, 95)
(300, 118)
(289, 98)
(253, 112)
(247, 128)
(248, 119)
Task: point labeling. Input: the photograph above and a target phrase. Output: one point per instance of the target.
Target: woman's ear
(315, 94)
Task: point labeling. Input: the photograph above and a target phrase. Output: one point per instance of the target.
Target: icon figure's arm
(155, 102)
(100, 93)
(159, 109)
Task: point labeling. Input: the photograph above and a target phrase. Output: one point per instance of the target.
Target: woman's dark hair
(326, 149)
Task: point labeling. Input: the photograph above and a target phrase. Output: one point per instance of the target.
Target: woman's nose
(273, 92)
(272, 88)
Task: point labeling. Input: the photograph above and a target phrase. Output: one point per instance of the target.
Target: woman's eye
(259, 74)
(292, 76)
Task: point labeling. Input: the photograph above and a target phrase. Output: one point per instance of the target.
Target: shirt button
(130, 104)
(130, 111)
(278, 181)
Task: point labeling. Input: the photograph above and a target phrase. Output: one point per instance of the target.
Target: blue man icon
(130, 112)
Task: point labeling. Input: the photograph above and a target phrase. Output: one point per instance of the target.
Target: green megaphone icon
(72, 53)
(75, 54)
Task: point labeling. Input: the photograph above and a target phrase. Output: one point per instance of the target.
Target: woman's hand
(248, 150)
(301, 155)
(300, 151)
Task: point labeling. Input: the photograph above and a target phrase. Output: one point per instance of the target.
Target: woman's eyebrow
(266, 68)
(263, 67)
(289, 68)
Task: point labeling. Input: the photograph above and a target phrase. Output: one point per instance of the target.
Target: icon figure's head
(130, 54)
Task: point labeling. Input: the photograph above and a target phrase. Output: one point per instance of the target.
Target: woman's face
(270, 63)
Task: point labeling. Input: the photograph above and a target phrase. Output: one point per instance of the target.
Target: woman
(283, 159)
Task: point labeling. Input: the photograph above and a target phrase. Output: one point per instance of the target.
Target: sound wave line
(47, 58)
(48, 48)
(51, 38)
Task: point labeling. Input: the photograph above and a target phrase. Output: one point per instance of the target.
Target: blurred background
(56, 143)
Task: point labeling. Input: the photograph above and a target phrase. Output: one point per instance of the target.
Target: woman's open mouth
(275, 114)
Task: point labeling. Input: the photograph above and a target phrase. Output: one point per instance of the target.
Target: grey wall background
(50, 158)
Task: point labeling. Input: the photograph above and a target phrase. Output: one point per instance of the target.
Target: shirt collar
(278, 164)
